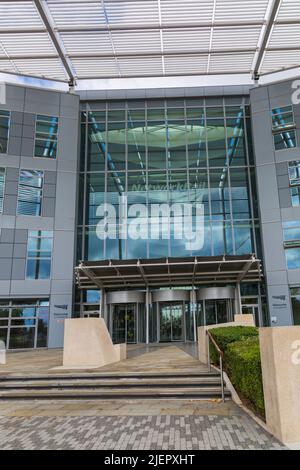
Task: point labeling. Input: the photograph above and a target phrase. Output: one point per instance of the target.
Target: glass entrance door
(217, 311)
(124, 323)
(252, 310)
(171, 322)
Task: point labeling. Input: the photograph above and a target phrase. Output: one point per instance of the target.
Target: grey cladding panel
(5, 271)
(12, 174)
(284, 198)
(28, 132)
(15, 130)
(18, 269)
(10, 205)
(20, 250)
(7, 235)
(11, 188)
(48, 207)
(281, 168)
(14, 146)
(20, 236)
(27, 147)
(6, 250)
(16, 117)
(50, 177)
(283, 181)
(29, 119)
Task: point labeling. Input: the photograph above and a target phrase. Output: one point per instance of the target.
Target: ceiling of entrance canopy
(72, 40)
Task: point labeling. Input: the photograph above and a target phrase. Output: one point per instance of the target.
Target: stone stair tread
(105, 376)
(120, 393)
(114, 383)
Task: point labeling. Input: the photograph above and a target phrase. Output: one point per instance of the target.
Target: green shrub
(227, 335)
(241, 361)
(243, 365)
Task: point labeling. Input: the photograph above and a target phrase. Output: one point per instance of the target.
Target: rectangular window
(2, 181)
(295, 298)
(46, 129)
(294, 175)
(39, 253)
(24, 323)
(4, 129)
(291, 231)
(283, 128)
(30, 192)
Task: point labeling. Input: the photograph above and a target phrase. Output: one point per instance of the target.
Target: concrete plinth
(87, 344)
(280, 360)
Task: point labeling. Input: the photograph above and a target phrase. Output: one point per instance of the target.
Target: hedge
(226, 335)
(242, 362)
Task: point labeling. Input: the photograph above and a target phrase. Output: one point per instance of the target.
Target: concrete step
(206, 393)
(107, 376)
(111, 382)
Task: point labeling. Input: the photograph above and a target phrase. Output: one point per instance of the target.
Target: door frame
(253, 306)
(135, 305)
(160, 305)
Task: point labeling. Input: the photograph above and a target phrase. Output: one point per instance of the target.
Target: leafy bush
(241, 361)
(227, 335)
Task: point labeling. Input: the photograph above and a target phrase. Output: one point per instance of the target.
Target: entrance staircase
(165, 373)
(205, 386)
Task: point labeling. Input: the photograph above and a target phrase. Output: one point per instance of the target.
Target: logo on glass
(178, 221)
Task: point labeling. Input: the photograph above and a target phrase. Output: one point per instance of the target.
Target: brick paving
(164, 432)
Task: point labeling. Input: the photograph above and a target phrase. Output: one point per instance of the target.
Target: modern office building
(159, 205)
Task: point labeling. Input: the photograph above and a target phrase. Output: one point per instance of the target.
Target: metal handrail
(221, 355)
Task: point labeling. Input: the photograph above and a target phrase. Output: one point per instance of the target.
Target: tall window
(294, 175)
(4, 128)
(283, 128)
(291, 232)
(30, 192)
(2, 180)
(46, 129)
(24, 323)
(39, 253)
(295, 297)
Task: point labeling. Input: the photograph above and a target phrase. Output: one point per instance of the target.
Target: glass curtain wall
(168, 151)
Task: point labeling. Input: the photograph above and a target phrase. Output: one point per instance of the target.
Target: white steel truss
(68, 40)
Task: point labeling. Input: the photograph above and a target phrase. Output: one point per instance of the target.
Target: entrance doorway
(171, 321)
(124, 323)
(252, 309)
(212, 312)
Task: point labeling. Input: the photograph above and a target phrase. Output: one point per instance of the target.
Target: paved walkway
(169, 432)
(126, 424)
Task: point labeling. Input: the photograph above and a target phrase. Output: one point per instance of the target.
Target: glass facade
(294, 176)
(30, 192)
(24, 323)
(168, 151)
(283, 128)
(295, 299)
(291, 232)
(4, 130)
(39, 253)
(46, 130)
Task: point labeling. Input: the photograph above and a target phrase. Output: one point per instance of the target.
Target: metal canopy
(63, 39)
(168, 272)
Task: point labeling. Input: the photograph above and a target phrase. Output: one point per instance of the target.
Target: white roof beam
(42, 8)
(267, 34)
